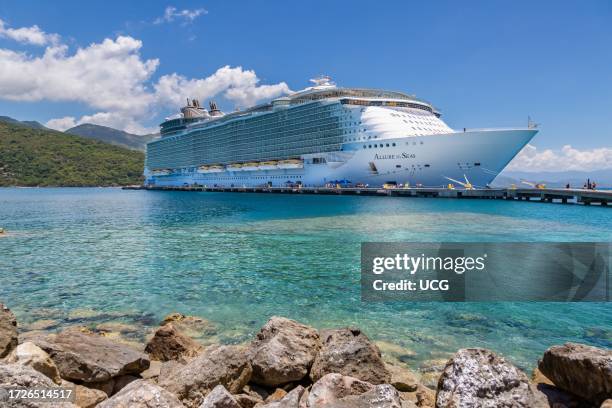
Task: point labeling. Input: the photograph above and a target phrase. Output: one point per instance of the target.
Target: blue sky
(483, 63)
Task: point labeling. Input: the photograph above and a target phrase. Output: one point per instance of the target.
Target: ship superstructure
(326, 134)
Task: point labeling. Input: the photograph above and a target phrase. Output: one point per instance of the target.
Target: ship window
(387, 144)
(427, 165)
(399, 166)
(476, 164)
(364, 146)
(375, 145)
(370, 146)
(393, 144)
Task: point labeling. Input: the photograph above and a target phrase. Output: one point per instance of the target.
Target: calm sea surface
(87, 256)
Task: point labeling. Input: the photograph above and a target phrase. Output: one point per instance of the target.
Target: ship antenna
(531, 124)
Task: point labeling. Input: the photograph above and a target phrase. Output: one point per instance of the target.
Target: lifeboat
(250, 166)
(268, 165)
(291, 164)
(234, 167)
(210, 169)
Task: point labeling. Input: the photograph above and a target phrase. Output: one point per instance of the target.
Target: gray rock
(16, 375)
(219, 397)
(225, 365)
(8, 331)
(91, 358)
(349, 352)
(142, 394)
(291, 400)
(168, 343)
(31, 355)
(382, 396)
(580, 369)
(283, 351)
(480, 378)
(333, 387)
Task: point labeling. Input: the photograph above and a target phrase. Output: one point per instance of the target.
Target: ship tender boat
(326, 133)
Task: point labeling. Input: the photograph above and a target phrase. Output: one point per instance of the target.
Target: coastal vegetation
(286, 365)
(41, 157)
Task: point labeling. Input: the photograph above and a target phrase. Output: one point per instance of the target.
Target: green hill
(112, 136)
(37, 157)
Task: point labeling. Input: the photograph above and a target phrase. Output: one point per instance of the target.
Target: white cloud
(61, 124)
(28, 35)
(237, 85)
(568, 158)
(186, 16)
(113, 80)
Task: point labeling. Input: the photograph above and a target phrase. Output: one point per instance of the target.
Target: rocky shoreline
(286, 365)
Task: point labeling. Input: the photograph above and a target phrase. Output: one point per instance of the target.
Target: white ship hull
(428, 160)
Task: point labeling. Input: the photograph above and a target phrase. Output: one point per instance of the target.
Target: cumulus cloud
(185, 16)
(113, 79)
(568, 158)
(28, 35)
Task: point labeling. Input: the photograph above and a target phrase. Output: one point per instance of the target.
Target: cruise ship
(326, 135)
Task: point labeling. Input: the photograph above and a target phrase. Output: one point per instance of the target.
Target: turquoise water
(86, 256)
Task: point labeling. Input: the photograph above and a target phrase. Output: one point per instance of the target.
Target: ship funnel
(214, 111)
(193, 109)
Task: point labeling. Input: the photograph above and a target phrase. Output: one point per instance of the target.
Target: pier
(545, 195)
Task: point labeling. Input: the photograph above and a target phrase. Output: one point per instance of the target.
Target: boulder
(31, 355)
(142, 394)
(282, 352)
(225, 365)
(85, 397)
(423, 397)
(480, 378)
(349, 352)
(580, 369)
(402, 378)
(219, 397)
(247, 400)
(333, 387)
(90, 358)
(153, 372)
(290, 400)
(168, 343)
(382, 396)
(278, 394)
(8, 331)
(16, 375)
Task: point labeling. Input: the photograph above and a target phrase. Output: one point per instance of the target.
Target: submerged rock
(90, 358)
(283, 351)
(8, 331)
(480, 378)
(192, 326)
(349, 352)
(402, 378)
(142, 394)
(31, 355)
(580, 369)
(219, 397)
(225, 365)
(168, 343)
